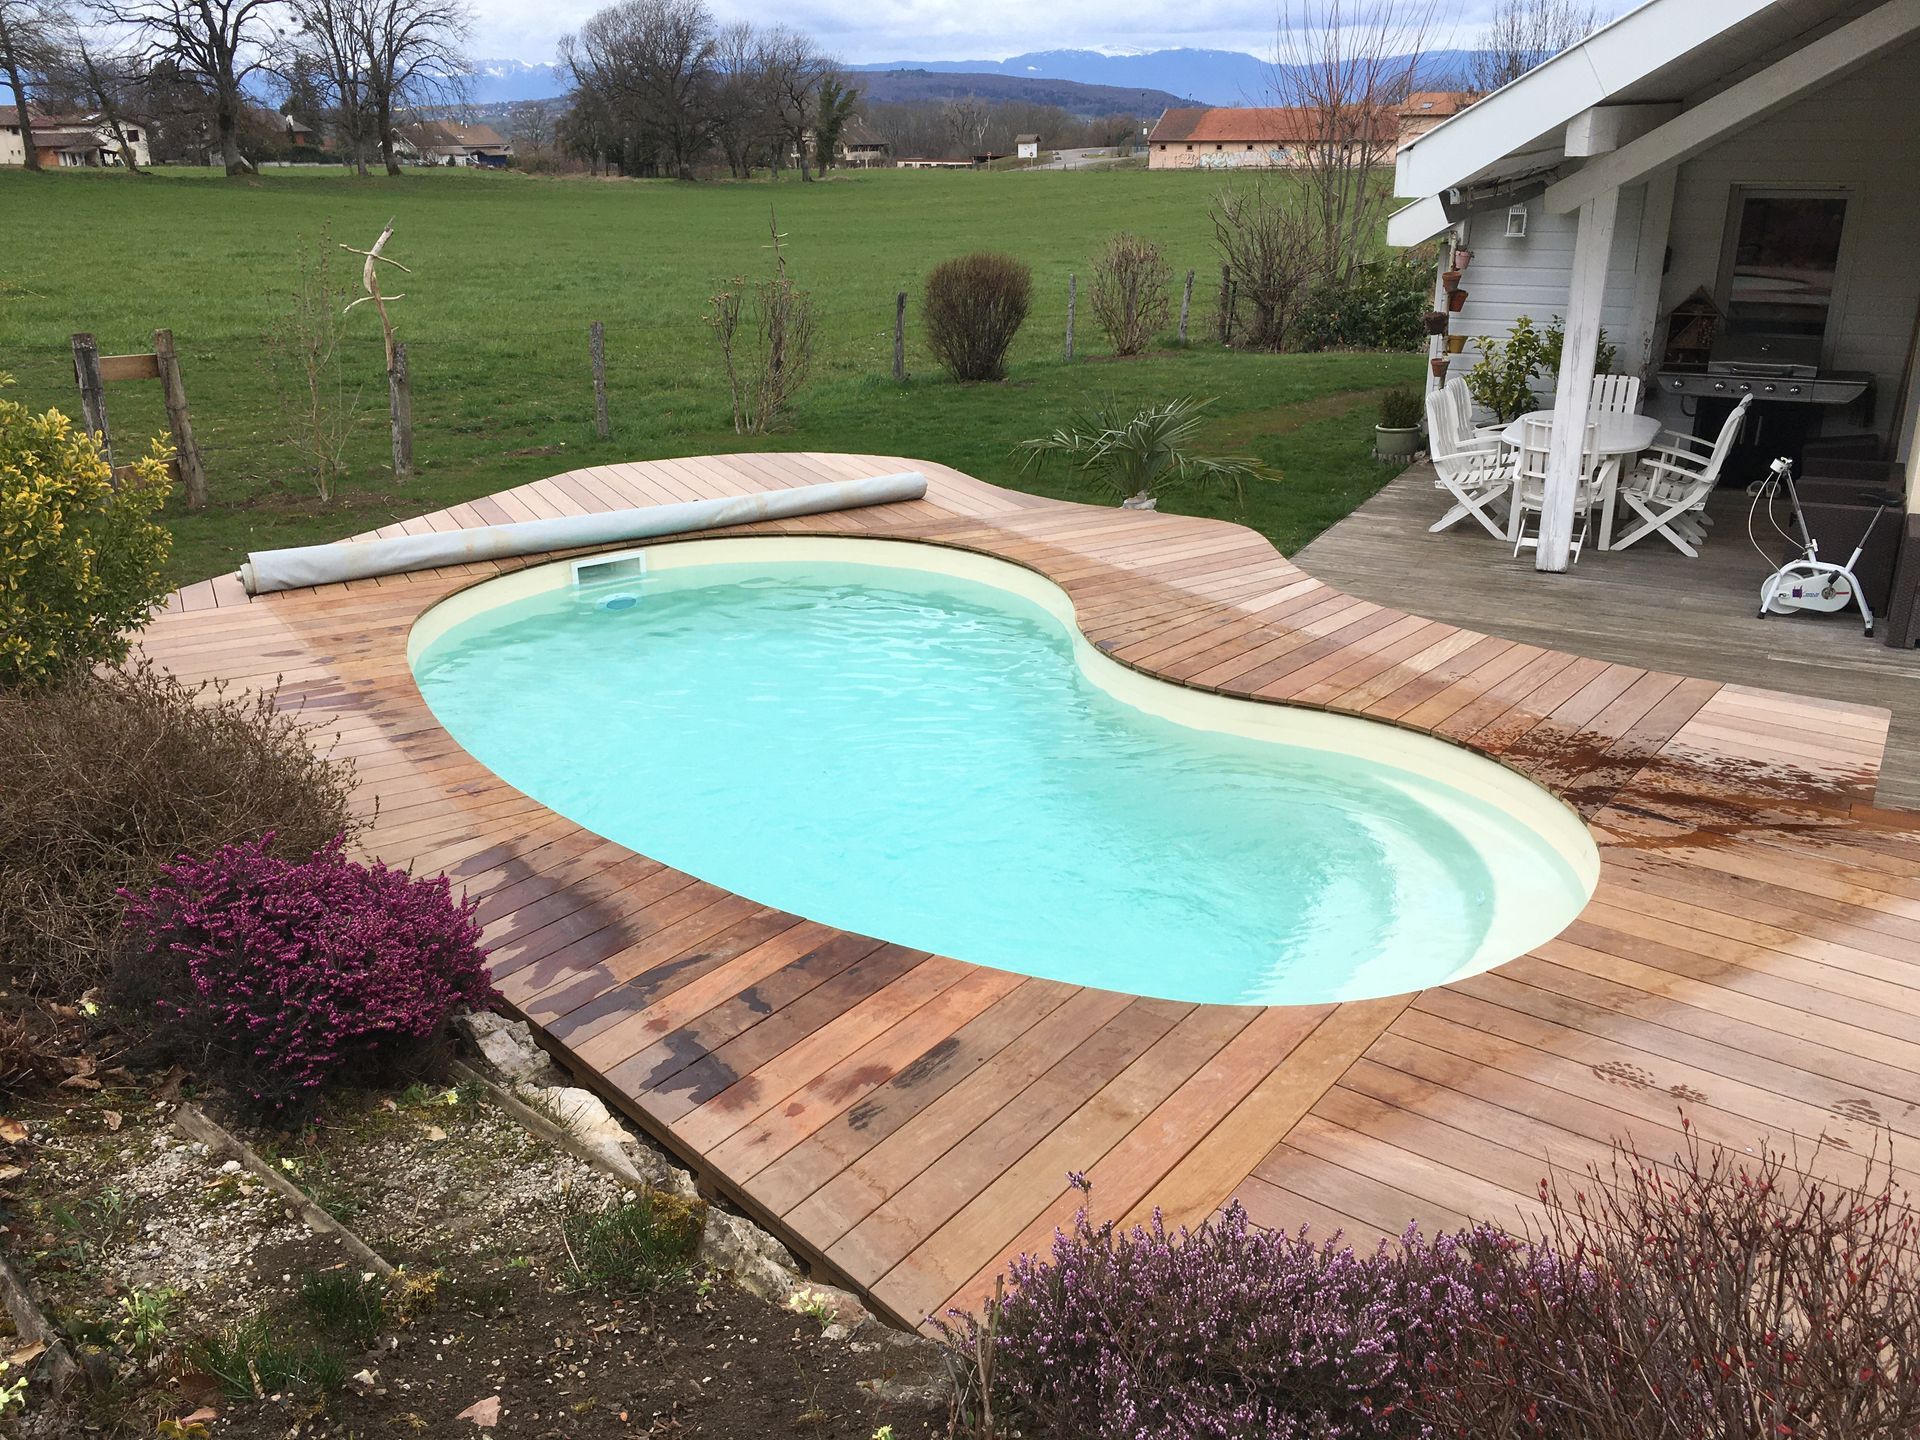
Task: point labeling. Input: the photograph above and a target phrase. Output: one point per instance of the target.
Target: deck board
(907, 1121)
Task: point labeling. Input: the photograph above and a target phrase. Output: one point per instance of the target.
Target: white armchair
(1668, 489)
(1477, 477)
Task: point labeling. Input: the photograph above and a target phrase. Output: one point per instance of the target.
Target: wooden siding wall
(1862, 133)
(1531, 276)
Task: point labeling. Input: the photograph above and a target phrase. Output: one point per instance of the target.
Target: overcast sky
(864, 30)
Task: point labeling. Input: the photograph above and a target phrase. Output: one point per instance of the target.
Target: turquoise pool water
(927, 759)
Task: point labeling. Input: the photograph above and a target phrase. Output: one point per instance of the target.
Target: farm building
(446, 142)
(69, 140)
(1246, 138)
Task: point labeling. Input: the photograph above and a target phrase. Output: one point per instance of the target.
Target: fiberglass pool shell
(917, 744)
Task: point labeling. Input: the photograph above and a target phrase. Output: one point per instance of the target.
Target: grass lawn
(508, 271)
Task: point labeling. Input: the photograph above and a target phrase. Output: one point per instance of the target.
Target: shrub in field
(1380, 308)
(972, 307)
(80, 556)
(765, 331)
(1272, 252)
(285, 976)
(104, 778)
(1131, 284)
(1721, 1297)
(1222, 1330)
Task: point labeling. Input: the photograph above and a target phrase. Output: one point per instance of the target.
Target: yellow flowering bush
(80, 560)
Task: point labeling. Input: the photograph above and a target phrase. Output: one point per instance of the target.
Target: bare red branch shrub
(973, 306)
(1723, 1297)
(1132, 285)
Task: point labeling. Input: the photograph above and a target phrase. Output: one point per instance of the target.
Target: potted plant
(1435, 322)
(1397, 436)
(1138, 457)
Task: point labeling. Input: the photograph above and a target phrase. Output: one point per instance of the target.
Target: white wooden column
(1573, 395)
(1639, 345)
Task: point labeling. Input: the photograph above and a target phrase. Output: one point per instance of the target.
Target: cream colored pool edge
(1519, 922)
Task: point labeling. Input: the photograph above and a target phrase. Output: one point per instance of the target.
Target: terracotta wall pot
(1435, 322)
(1462, 259)
(1450, 279)
(1455, 344)
(1438, 364)
(1457, 301)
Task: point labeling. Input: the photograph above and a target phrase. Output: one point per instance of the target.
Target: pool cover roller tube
(269, 570)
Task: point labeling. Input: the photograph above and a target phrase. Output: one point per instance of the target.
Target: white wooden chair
(1470, 435)
(1530, 485)
(1478, 479)
(1668, 489)
(1615, 395)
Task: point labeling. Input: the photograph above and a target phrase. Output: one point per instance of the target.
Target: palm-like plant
(1137, 457)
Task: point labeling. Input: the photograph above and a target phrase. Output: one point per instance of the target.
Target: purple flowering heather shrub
(1228, 1331)
(290, 975)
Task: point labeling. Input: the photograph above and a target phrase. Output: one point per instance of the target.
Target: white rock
(507, 1045)
(230, 1167)
(756, 1261)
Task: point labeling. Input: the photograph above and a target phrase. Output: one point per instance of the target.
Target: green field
(509, 270)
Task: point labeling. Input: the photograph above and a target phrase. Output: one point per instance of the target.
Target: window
(1783, 258)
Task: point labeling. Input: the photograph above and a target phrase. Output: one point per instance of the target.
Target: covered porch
(1748, 164)
(1646, 607)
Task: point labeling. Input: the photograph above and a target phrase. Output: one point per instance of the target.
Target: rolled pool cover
(268, 570)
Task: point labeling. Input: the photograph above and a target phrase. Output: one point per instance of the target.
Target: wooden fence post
(900, 337)
(173, 391)
(93, 391)
(597, 347)
(1186, 304)
(400, 396)
(1073, 285)
(1225, 320)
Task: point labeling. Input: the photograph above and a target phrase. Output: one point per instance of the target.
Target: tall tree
(214, 44)
(651, 65)
(834, 107)
(327, 48)
(105, 77)
(1523, 33)
(413, 51)
(793, 68)
(1346, 67)
(26, 40)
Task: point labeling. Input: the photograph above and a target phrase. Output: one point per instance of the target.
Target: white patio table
(1616, 436)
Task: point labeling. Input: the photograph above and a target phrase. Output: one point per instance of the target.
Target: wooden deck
(1648, 605)
(907, 1121)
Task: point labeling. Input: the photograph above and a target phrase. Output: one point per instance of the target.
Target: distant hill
(1085, 82)
(908, 85)
(499, 82)
(1207, 77)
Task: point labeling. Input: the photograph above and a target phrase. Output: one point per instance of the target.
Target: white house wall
(1861, 134)
(1530, 276)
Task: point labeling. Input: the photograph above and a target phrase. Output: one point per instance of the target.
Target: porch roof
(1626, 80)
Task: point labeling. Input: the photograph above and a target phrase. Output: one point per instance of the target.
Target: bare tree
(214, 44)
(966, 119)
(328, 35)
(413, 51)
(26, 40)
(792, 67)
(1347, 67)
(104, 77)
(1272, 251)
(530, 128)
(651, 65)
(743, 114)
(1523, 33)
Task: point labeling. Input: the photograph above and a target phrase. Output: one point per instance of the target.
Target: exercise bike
(1808, 582)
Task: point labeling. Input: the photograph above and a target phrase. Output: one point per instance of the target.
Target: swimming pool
(917, 744)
